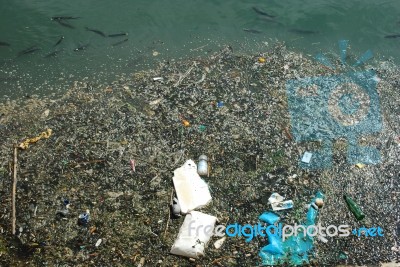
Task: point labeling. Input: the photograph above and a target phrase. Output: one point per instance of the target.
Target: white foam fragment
(191, 190)
(194, 234)
(218, 244)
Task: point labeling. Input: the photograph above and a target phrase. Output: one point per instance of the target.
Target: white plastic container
(191, 190)
(194, 234)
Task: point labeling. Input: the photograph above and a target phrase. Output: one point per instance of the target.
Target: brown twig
(287, 133)
(14, 190)
(216, 261)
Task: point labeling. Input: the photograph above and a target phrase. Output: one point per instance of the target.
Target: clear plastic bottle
(202, 167)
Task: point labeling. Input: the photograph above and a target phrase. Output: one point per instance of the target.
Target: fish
(81, 47)
(64, 18)
(392, 36)
(59, 41)
(252, 31)
(96, 31)
(29, 50)
(118, 34)
(269, 20)
(262, 12)
(52, 54)
(300, 31)
(62, 23)
(4, 44)
(120, 42)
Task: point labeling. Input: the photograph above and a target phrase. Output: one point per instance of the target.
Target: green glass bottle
(354, 208)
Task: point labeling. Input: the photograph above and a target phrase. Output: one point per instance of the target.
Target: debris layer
(98, 128)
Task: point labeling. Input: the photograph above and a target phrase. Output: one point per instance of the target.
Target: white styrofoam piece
(218, 244)
(191, 190)
(194, 234)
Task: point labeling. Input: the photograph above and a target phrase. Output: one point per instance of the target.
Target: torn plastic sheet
(191, 190)
(296, 249)
(194, 234)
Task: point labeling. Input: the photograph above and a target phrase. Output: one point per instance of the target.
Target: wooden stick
(14, 189)
(287, 133)
(216, 261)
(169, 212)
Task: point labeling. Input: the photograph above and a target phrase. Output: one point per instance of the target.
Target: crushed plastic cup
(277, 202)
(275, 197)
(194, 234)
(288, 204)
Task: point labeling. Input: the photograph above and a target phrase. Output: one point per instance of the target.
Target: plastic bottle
(354, 208)
(202, 167)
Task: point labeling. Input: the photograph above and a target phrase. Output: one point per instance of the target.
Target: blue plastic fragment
(220, 104)
(269, 217)
(275, 245)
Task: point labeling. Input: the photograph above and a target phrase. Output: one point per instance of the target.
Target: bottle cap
(203, 157)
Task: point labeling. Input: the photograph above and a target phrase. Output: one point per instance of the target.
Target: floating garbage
(66, 203)
(306, 157)
(269, 217)
(360, 165)
(158, 79)
(140, 120)
(218, 244)
(176, 208)
(294, 250)
(202, 167)
(202, 128)
(275, 197)
(277, 202)
(132, 163)
(191, 190)
(62, 213)
(261, 60)
(220, 104)
(83, 219)
(186, 123)
(194, 234)
(98, 242)
(25, 144)
(274, 247)
(354, 208)
(288, 204)
(319, 202)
